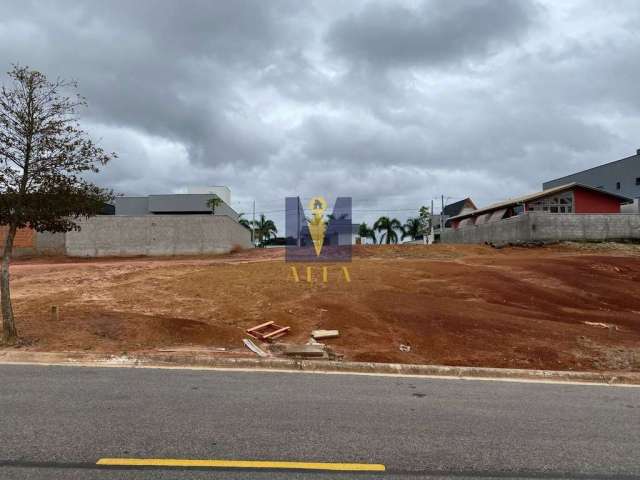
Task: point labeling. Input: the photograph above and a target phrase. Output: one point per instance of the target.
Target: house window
(561, 203)
(617, 185)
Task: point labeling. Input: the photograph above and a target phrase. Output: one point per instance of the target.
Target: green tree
(243, 221)
(365, 232)
(213, 203)
(412, 228)
(265, 229)
(387, 227)
(44, 159)
(425, 219)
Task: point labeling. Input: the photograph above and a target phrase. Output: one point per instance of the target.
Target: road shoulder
(206, 361)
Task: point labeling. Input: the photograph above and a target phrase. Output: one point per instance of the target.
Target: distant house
(571, 212)
(452, 210)
(458, 208)
(569, 198)
(175, 204)
(184, 226)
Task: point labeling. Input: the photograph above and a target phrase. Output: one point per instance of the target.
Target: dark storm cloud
(494, 140)
(433, 32)
(393, 103)
(160, 67)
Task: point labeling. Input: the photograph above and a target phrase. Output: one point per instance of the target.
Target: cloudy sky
(394, 103)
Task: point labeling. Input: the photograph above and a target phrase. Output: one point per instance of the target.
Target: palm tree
(413, 228)
(387, 227)
(243, 221)
(331, 217)
(213, 203)
(365, 232)
(265, 229)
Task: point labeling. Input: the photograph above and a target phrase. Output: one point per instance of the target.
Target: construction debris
(254, 348)
(320, 334)
(310, 351)
(601, 325)
(405, 348)
(267, 331)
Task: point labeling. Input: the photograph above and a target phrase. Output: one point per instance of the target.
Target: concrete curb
(280, 364)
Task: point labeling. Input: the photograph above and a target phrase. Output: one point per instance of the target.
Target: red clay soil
(454, 305)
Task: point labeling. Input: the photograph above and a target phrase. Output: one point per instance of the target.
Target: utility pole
(442, 219)
(432, 227)
(298, 233)
(253, 224)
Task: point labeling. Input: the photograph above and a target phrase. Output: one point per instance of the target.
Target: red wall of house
(25, 237)
(589, 201)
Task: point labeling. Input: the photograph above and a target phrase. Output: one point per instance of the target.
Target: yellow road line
(174, 462)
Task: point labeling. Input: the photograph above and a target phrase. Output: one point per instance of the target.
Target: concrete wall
(547, 227)
(156, 235)
(50, 243)
(511, 230)
(589, 227)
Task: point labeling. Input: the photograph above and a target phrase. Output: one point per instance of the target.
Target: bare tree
(44, 159)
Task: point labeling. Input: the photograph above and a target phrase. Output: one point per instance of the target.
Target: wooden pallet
(267, 331)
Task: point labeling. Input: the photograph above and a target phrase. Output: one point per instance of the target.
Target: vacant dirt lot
(455, 305)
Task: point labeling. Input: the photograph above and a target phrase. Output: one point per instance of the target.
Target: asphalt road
(57, 422)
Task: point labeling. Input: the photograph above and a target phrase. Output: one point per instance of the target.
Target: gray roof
(455, 208)
(603, 165)
(187, 203)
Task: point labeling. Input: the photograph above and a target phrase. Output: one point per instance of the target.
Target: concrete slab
(320, 334)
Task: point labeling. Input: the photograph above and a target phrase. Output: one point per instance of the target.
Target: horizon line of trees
(384, 230)
(263, 229)
(391, 230)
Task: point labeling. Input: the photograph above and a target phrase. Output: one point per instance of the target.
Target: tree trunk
(9, 334)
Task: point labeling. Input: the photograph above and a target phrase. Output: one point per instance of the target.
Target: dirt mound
(109, 331)
(437, 251)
